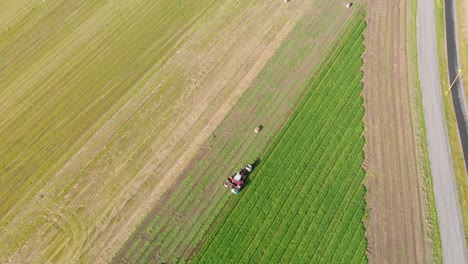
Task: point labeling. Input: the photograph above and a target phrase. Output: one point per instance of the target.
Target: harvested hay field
(108, 101)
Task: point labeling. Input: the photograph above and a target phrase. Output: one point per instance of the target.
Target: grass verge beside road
(452, 130)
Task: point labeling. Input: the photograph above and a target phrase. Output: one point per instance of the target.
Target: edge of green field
(258, 232)
(451, 123)
(171, 230)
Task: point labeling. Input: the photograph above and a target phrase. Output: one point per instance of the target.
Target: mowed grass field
(104, 103)
(66, 68)
(177, 227)
(305, 202)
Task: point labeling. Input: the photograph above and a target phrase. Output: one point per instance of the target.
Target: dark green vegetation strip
(305, 202)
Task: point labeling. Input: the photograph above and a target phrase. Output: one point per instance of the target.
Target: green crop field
(305, 202)
(107, 103)
(177, 226)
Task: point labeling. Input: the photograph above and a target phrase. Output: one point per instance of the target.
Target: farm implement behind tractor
(237, 181)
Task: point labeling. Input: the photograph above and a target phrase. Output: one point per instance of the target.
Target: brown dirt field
(397, 229)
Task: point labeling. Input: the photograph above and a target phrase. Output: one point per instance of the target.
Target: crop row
(306, 199)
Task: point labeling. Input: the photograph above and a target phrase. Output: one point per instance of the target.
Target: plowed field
(398, 226)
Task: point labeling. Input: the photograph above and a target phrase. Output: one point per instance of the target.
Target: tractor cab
(237, 181)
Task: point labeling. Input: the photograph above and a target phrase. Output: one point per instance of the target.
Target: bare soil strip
(397, 229)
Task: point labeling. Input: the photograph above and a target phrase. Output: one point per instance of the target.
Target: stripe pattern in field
(179, 221)
(305, 202)
(98, 97)
(398, 226)
(71, 93)
(104, 103)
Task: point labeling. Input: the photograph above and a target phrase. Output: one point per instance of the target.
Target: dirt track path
(445, 191)
(397, 229)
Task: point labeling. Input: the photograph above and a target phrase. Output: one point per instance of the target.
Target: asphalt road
(445, 192)
(458, 97)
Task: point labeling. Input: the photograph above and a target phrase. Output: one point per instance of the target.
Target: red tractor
(235, 182)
